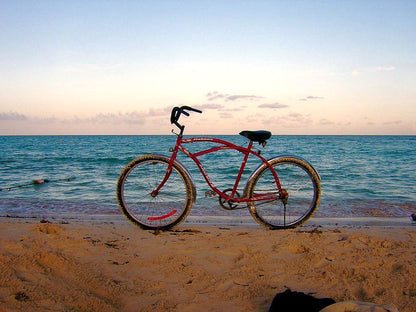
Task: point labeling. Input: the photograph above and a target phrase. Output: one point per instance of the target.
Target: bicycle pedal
(210, 193)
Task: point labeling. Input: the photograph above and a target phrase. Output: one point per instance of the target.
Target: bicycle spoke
(288, 211)
(137, 184)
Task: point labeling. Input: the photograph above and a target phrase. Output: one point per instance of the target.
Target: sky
(291, 67)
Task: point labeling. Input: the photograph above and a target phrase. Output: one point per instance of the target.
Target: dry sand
(115, 266)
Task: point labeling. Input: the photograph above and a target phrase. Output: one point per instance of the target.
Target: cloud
(120, 118)
(311, 97)
(273, 105)
(211, 106)
(289, 120)
(378, 69)
(242, 97)
(212, 96)
(12, 116)
(44, 120)
(395, 122)
(129, 118)
(386, 68)
(325, 122)
(296, 117)
(160, 112)
(227, 116)
(235, 109)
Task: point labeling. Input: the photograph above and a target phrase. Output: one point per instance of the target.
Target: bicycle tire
(134, 193)
(299, 179)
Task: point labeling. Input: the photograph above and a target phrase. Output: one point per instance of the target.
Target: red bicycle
(157, 192)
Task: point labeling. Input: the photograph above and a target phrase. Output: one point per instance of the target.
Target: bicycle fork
(155, 192)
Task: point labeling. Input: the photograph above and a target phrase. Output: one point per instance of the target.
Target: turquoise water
(361, 175)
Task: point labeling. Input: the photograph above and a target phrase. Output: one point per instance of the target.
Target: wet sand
(111, 265)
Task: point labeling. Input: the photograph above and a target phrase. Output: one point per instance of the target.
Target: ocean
(361, 176)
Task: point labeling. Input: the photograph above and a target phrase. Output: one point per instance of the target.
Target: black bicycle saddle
(257, 136)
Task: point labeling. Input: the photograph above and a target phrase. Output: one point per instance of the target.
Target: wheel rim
(139, 203)
(302, 190)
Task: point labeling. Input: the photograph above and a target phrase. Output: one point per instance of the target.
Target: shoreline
(400, 222)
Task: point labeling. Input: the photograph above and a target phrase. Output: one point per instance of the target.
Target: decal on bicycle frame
(155, 218)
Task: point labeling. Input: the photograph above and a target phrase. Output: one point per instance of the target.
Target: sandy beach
(115, 266)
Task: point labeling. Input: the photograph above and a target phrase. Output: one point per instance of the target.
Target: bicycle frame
(224, 145)
(173, 190)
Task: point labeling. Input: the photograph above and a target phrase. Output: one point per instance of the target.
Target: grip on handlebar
(191, 109)
(177, 111)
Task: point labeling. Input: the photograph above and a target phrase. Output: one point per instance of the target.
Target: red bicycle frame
(224, 145)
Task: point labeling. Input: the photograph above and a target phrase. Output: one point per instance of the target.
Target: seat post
(250, 144)
(240, 172)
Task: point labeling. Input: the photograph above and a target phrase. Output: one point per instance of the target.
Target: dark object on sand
(290, 301)
(413, 215)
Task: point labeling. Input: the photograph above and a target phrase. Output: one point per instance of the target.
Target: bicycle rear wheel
(134, 190)
(298, 179)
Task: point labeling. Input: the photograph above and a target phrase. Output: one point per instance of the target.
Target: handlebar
(177, 112)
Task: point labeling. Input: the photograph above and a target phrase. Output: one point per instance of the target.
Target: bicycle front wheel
(298, 179)
(140, 178)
